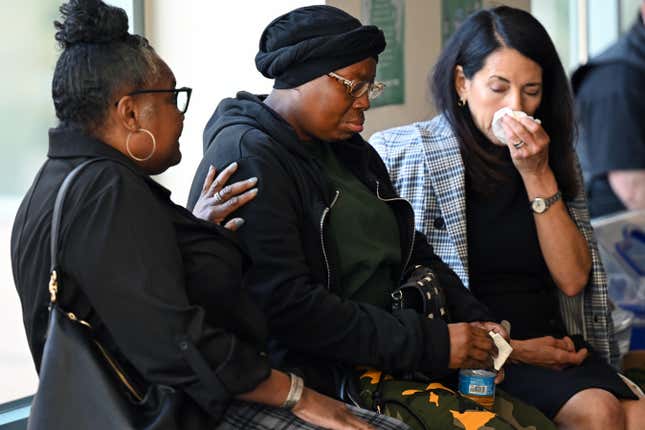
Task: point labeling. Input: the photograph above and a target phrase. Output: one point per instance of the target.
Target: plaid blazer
(425, 164)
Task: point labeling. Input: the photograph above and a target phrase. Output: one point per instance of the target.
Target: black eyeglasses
(357, 89)
(181, 96)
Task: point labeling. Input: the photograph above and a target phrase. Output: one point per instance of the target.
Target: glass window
(581, 29)
(603, 21)
(26, 114)
(629, 10)
(560, 18)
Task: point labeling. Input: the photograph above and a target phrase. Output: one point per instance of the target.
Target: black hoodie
(294, 272)
(610, 105)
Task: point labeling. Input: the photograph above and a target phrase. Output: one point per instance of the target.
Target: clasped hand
(548, 352)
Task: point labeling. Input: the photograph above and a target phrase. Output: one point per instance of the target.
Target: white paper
(497, 128)
(503, 349)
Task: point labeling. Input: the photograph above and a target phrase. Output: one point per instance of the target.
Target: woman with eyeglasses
(329, 237)
(160, 287)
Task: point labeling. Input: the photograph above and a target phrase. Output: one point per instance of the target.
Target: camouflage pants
(435, 406)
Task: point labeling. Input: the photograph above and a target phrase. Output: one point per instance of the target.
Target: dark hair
(480, 35)
(99, 57)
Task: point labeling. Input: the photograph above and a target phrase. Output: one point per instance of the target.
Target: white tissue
(503, 349)
(498, 130)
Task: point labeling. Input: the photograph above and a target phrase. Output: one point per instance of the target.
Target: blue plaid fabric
(426, 168)
(253, 416)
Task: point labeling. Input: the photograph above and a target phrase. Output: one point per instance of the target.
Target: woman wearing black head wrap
(160, 288)
(328, 235)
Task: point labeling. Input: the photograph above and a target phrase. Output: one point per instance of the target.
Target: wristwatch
(539, 205)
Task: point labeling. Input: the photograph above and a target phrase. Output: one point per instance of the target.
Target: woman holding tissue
(495, 185)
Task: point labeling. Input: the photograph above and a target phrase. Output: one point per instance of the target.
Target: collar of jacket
(69, 143)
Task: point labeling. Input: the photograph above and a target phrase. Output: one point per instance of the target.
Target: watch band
(295, 391)
(554, 198)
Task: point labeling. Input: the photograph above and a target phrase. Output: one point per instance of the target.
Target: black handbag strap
(58, 208)
(53, 283)
(57, 216)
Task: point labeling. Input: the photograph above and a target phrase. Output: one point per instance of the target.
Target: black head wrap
(311, 41)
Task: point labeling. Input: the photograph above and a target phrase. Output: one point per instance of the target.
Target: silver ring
(519, 144)
(218, 197)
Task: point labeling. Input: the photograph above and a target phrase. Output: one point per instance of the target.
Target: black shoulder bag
(423, 293)
(81, 386)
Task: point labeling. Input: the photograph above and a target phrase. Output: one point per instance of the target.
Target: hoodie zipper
(322, 237)
(378, 195)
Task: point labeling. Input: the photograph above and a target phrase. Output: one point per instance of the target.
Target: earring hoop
(154, 145)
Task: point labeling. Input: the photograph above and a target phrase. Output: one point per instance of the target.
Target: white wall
(210, 46)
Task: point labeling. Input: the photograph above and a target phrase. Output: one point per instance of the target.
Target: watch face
(538, 205)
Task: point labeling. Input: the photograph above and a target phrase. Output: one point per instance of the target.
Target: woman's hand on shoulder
(548, 351)
(323, 411)
(532, 156)
(218, 200)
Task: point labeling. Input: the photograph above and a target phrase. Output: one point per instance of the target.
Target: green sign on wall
(453, 13)
(389, 16)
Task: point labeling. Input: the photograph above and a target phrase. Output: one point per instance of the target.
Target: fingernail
(233, 165)
(210, 168)
(253, 180)
(254, 191)
(239, 222)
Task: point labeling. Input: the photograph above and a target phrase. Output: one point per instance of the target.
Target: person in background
(610, 103)
(510, 218)
(160, 287)
(329, 237)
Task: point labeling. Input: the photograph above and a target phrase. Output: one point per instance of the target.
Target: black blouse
(160, 287)
(506, 267)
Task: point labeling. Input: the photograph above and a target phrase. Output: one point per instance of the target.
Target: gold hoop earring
(154, 145)
(461, 102)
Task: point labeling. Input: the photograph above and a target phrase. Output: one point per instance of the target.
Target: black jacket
(294, 272)
(160, 288)
(610, 105)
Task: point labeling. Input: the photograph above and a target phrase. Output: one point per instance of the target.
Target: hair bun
(90, 21)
